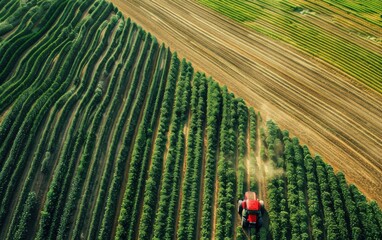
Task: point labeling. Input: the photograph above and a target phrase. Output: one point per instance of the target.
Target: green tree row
(155, 171)
(214, 101)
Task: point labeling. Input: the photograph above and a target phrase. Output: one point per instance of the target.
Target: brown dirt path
(327, 109)
(248, 156)
(261, 176)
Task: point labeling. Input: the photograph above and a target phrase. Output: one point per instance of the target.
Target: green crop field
(106, 134)
(304, 24)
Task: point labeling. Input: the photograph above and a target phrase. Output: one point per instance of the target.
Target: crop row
(139, 160)
(188, 215)
(155, 171)
(169, 186)
(214, 100)
(311, 201)
(226, 169)
(112, 199)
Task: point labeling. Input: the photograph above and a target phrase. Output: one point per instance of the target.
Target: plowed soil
(325, 108)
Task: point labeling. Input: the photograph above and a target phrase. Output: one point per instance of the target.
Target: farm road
(325, 108)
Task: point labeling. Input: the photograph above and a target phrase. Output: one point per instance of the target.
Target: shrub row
(186, 186)
(64, 164)
(124, 29)
(106, 176)
(137, 157)
(214, 101)
(226, 173)
(171, 172)
(119, 169)
(132, 228)
(151, 188)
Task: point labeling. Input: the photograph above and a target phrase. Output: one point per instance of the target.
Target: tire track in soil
(248, 155)
(215, 198)
(261, 173)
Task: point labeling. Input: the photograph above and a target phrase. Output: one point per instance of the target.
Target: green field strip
(155, 170)
(172, 164)
(359, 9)
(62, 168)
(8, 9)
(31, 114)
(199, 166)
(252, 119)
(69, 168)
(11, 118)
(36, 162)
(132, 68)
(314, 205)
(241, 152)
(370, 225)
(278, 211)
(38, 55)
(313, 197)
(296, 196)
(338, 204)
(22, 43)
(16, 89)
(110, 210)
(53, 36)
(12, 18)
(333, 12)
(242, 121)
(82, 168)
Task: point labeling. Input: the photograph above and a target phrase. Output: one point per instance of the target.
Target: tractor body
(250, 211)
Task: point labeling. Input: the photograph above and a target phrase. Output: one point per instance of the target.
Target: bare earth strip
(322, 106)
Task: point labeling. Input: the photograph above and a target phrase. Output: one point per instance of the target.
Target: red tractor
(250, 210)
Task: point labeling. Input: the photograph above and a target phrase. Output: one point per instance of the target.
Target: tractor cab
(250, 211)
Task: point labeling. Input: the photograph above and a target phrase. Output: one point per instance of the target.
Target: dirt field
(325, 108)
